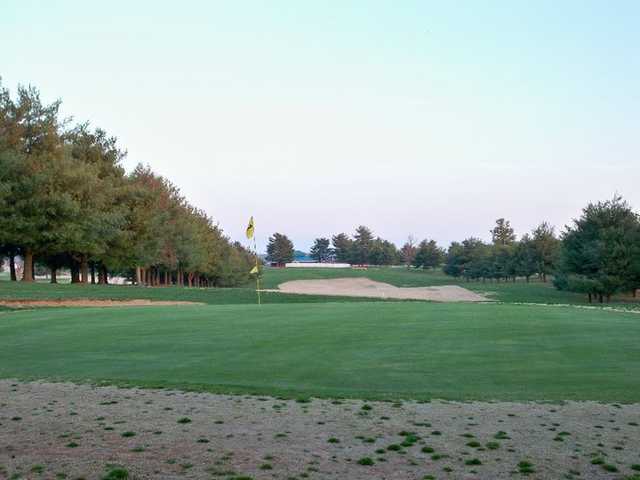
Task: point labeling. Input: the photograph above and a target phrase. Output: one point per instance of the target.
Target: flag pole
(252, 236)
(255, 251)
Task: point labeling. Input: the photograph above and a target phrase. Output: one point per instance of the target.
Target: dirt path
(364, 287)
(78, 431)
(90, 303)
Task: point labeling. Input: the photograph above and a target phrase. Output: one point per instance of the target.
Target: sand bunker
(90, 303)
(364, 287)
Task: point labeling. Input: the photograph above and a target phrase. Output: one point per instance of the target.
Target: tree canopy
(321, 250)
(280, 249)
(601, 251)
(67, 202)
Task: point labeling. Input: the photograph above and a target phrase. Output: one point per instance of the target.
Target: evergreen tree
(321, 250)
(343, 248)
(279, 249)
(546, 249)
(428, 255)
(601, 251)
(525, 258)
(454, 261)
(502, 233)
(362, 242)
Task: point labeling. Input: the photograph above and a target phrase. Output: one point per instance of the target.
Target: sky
(430, 119)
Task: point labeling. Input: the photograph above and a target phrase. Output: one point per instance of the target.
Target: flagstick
(255, 251)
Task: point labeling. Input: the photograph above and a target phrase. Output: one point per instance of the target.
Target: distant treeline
(67, 203)
(598, 255)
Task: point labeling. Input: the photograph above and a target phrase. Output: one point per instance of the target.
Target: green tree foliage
(364, 249)
(428, 255)
(382, 252)
(279, 249)
(601, 252)
(342, 247)
(66, 201)
(34, 174)
(321, 250)
(362, 243)
(502, 233)
(525, 258)
(546, 249)
(506, 257)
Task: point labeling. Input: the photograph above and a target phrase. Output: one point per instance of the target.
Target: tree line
(598, 255)
(66, 202)
(505, 257)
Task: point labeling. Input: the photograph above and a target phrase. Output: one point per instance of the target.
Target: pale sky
(411, 117)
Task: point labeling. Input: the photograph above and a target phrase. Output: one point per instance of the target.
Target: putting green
(372, 350)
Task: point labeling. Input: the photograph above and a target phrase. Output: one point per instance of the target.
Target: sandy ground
(78, 431)
(90, 303)
(364, 287)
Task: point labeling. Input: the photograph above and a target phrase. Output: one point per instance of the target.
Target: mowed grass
(519, 292)
(367, 350)
(212, 296)
(509, 292)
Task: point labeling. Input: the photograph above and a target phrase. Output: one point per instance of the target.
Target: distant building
(316, 265)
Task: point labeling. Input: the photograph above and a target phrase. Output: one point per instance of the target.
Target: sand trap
(364, 287)
(90, 303)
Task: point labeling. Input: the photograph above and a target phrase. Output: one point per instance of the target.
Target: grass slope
(374, 350)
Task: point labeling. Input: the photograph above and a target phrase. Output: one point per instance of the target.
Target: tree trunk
(166, 278)
(54, 275)
(104, 275)
(84, 269)
(138, 275)
(600, 298)
(93, 274)
(27, 273)
(590, 298)
(190, 279)
(75, 274)
(544, 277)
(12, 267)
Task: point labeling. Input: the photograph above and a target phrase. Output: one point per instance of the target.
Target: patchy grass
(116, 474)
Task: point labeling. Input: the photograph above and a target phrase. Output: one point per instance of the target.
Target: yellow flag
(254, 270)
(250, 228)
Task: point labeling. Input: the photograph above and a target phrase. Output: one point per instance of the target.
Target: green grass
(212, 296)
(371, 350)
(509, 292)
(520, 291)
